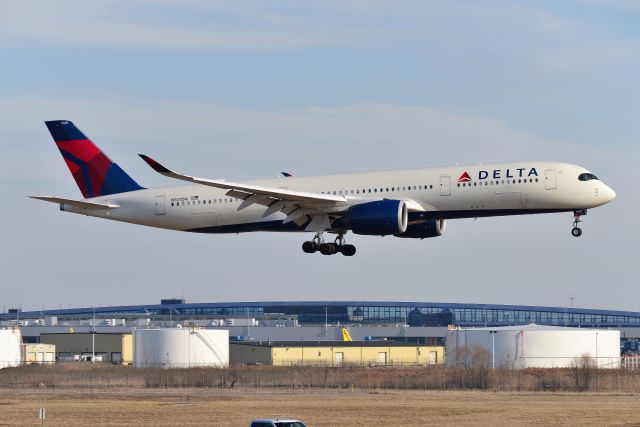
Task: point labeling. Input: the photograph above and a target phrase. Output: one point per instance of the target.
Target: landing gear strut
(327, 248)
(577, 231)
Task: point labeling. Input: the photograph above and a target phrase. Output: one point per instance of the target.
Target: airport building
(335, 353)
(345, 312)
(115, 347)
(305, 332)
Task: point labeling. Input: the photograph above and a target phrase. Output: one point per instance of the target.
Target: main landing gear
(318, 244)
(577, 231)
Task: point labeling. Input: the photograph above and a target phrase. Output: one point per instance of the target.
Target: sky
(243, 90)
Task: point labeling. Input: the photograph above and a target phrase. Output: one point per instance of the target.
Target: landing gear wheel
(577, 231)
(348, 250)
(309, 247)
(328, 248)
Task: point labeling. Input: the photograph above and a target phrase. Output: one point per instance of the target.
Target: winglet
(155, 165)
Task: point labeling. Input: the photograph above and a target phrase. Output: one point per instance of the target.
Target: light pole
(93, 338)
(597, 364)
(493, 349)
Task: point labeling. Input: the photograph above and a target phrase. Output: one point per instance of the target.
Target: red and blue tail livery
(95, 174)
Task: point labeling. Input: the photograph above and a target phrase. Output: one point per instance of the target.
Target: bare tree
(583, 370)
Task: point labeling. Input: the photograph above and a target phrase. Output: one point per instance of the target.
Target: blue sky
(246, 89)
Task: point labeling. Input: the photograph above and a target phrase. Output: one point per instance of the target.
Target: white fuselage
(441, 193)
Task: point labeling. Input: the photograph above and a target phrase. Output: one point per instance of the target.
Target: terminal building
(414, 314)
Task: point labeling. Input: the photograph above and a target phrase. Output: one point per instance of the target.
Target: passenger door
(445, 185)
(550, 179)
(160, 208)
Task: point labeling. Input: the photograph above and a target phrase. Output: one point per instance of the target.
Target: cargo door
(205, 219)
(433, 357)
(445, 185)
(382, 357)
(160, 208)
(550, 179)
(339, 358)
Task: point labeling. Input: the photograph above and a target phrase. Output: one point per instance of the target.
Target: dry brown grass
(266, 378)
(198, 407)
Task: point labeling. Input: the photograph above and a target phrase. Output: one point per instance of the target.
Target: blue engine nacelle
(379, 218)
(424, 230)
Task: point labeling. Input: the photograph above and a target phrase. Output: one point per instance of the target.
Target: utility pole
(93, 338)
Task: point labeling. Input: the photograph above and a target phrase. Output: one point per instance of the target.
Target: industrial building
(533, 346)
(335, 353)
(108, 347)
(43, 354)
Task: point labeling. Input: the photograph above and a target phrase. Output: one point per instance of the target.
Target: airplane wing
(75, 203)
(299, 206)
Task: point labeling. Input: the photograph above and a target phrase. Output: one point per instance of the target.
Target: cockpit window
(586, 177)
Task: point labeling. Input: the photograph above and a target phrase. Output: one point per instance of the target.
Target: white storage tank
(534, 346)
(10, 347)
(180, 347)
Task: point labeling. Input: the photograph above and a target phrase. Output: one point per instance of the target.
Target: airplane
(411, 204)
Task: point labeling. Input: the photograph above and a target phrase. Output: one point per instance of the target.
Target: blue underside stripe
(414, 217)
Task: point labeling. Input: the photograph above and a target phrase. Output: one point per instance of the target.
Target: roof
(529, 327)
(330, 304)
(374, 343)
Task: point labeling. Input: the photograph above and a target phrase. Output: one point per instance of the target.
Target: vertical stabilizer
(95, 174)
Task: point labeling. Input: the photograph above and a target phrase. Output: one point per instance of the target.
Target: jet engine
(379, 218)
(424, 230)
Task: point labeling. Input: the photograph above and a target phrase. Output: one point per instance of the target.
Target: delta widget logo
(464, 177)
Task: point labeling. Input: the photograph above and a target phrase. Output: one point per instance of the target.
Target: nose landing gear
(577, 231)
(318, 244)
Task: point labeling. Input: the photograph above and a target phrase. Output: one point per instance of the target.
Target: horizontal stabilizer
(75, 203)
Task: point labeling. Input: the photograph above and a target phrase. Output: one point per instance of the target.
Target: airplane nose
(608, 194)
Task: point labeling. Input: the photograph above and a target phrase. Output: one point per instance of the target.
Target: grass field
(198, 407)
